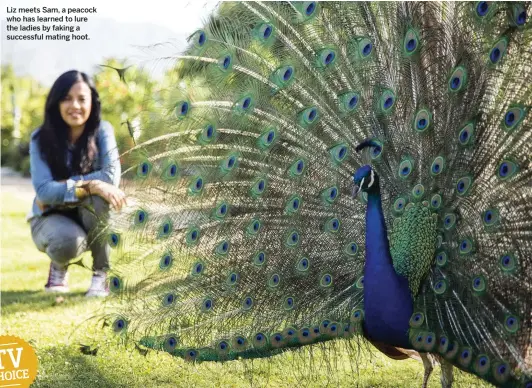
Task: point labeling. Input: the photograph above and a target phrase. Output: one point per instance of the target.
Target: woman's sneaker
(98, 286)
(57, 279)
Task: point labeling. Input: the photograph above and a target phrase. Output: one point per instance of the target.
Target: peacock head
(365, 180)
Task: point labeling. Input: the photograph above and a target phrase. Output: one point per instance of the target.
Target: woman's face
(76, 107)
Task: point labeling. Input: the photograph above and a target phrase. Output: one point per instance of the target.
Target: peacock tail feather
(244, 239)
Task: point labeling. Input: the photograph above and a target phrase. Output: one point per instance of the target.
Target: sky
(181, 16)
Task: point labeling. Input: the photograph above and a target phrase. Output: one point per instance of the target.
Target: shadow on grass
(36, 300)
(65, 366)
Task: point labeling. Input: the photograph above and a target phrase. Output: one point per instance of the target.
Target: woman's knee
(67, 247)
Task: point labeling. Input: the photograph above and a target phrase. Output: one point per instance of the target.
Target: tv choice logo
(18, 362)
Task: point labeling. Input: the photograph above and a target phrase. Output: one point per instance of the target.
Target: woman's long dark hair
(54, 133)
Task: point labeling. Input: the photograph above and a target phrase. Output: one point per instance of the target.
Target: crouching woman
(75, 171)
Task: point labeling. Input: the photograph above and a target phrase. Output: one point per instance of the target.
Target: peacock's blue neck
(388, 302)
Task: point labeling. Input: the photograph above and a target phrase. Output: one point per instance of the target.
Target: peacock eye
(458, 79)
(482, 8)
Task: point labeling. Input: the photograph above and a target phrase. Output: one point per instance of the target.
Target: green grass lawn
(56, 331)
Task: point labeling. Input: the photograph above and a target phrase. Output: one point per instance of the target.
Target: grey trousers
(65, 235)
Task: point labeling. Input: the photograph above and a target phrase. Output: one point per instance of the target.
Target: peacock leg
(446, 374)
(427, 364)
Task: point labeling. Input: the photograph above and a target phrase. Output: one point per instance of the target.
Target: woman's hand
(110, 193)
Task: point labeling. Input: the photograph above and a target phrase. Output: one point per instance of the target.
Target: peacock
(336, 171)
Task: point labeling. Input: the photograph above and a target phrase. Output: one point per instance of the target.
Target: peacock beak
(356, 190)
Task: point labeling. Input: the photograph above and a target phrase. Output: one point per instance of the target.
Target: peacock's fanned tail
(244, 239)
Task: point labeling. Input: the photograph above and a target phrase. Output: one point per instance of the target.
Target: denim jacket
(106, 167)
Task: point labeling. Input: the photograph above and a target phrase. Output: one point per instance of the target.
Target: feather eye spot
(508, 263)
(169, 299)
(455, 83)
(463, 185)
(114, 239)
(437, 165)
(259, 259)
(479, 284)
(333, 193)
(144, 168)
(274, 280)
(201, 38)
(503, 171)
(441, 259)
(303, 265)
(181, 109)
(309, 10)
(411, 45)
(326, 58)
(198, 269)
(294, 237)
(466, 246)
(458, 79)
(440, 287)
(193, 236)
(507, 169)
(308, 117)
(388, 103)
(165, 262)
(287, 74)
(435, 201)
(353, 102)
(482, 8)
(173, 170)
(495, 55)
(207, 304)
(226, 62)
(405, 168)
(399, 204)
(329, 58)
(295, 204)
(140, 217)
(521, 18)
(513, 117)
(418, 191)
(367, 49)
(417, 320)
(509, 118)
(267, 32)
(411, 42)
(326, 280)
(116, 284)
(263, 32)
(119, 325)
(248, 303)
(511, 324)
(289, 303)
